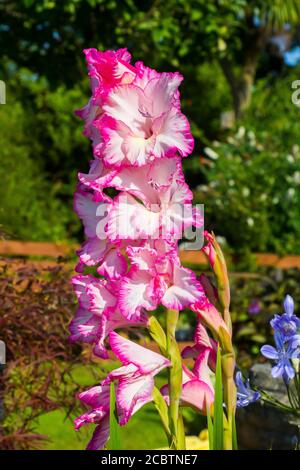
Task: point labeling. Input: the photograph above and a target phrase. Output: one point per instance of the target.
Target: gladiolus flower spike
(133, 205)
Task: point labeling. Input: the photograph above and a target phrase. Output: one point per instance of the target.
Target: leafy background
(233, 55)
(239, 59)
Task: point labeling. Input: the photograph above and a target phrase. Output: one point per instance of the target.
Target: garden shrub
(35, 309)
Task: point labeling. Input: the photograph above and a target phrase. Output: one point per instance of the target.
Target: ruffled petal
(108, 68)
(186, 290)
(144, 75)
(124, 104)
(142, 258)
(93, 251)
(84, 326)
(93, 416)
(132, 395)
(148, 362)
(110, 322)
(128, 219)
(114, 265)
(162, 90)
(101, 299)
(163, 172)
(90, 212)
(135, 293)
(113, 133)
(98, 177)
(96, 397)
(93, 294)
(135, 181)
(172, 132)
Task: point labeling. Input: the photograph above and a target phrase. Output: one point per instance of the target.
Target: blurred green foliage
(41, 148)
(45, 74)
(252, 195)
(29, 208)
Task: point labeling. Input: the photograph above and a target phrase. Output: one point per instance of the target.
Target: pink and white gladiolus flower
(204, 347)
(134, 114)
(156, 277)
(136, 378)
(135, 383)
(197, 389)
(135, 206)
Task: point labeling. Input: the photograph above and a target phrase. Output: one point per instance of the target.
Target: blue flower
(282, 355)
(294, 345)
(245, 395)
(287, 323)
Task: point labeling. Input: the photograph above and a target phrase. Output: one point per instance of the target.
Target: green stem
(292, 396)
(181, 433)
(175, 383)
(228, 365)
(227, 433)
(272, 401)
